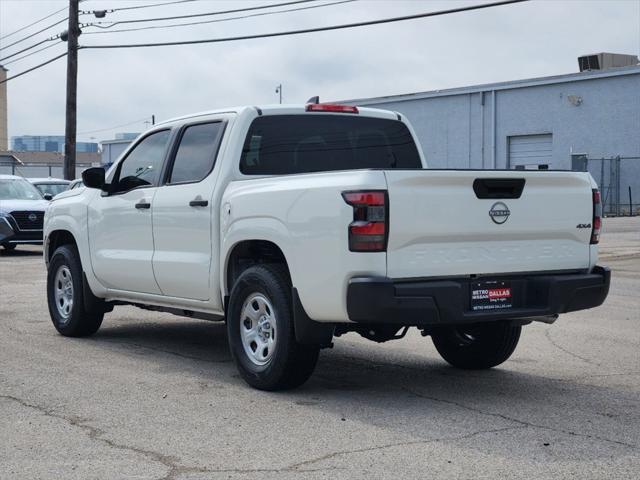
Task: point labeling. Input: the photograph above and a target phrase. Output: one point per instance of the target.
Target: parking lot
(156, 396)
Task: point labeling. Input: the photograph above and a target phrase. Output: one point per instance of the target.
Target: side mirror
(93, 177)
(47, 196)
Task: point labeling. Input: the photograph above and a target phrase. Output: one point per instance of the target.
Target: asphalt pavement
(154, 396)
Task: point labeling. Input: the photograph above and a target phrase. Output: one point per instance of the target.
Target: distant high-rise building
(48, 143)
(4, 136)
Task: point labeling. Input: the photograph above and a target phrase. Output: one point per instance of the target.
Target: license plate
(491, 295)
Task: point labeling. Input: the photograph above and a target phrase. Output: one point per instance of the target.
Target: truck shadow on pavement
(20, 253)
(508, 411)
(405, 391)
(175, 344)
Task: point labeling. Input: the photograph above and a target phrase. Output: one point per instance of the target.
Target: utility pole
(279, 90)
(72, 91)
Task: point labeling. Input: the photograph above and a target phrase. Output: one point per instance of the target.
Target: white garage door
(530, 150)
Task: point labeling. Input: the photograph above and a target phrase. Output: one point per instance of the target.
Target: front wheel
(9, 246)
(477, 347)
(261, 333)
(65, 295)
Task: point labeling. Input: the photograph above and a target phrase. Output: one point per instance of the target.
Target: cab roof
(285, 109)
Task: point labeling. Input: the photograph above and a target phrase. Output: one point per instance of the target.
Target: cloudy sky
(117, 87)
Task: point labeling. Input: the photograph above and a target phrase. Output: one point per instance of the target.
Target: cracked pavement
(154, 396)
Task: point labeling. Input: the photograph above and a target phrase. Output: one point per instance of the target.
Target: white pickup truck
(295, 224)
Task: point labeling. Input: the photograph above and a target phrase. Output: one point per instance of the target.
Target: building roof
(48, 158)
(488, 87)
(115, 141)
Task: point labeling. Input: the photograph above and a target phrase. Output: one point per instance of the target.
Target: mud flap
(308, 331)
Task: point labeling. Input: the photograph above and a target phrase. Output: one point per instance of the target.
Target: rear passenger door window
(196, 153)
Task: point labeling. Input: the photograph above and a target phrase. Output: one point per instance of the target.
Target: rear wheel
(65, 294)
(261, 333)
(477, 347)
(9, 246)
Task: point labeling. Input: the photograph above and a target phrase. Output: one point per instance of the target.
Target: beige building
(4, 134)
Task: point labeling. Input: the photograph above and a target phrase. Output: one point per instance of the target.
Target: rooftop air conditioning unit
(605, 61)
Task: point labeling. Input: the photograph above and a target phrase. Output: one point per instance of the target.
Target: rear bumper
(429, 302)
(9, 233)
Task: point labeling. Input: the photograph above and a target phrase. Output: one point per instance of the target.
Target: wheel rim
(258, 329)
(465, 337)
(63, 292)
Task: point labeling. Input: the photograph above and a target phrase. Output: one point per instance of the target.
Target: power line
(310, 30)
(194, 15)
(32, 53)
(35, 33)
(113, 128)
(34, 68)
(30, 47)
(96, 24)
(32, 24)
(140, 6)
(218, 20)
(280, 34)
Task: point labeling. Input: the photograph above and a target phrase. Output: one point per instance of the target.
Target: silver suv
(22, 210)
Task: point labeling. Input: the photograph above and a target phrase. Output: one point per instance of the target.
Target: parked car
(21, 212)
(77, 183)
(296, 224)
(50, 187)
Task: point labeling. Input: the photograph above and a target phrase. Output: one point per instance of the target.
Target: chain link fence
(618, 179)
(619, 182)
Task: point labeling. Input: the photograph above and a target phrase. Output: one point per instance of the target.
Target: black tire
(477, 347)
(81, 321)
(9, 246)
(290, 364)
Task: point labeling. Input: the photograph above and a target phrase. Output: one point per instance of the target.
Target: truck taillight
(597, 217)
(369, 230)
(330, 107)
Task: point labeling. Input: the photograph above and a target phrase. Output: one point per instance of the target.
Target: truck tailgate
(439, 227)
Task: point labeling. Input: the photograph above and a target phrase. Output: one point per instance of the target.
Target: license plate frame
(491, 295)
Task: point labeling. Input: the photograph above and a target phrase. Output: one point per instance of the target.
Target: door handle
(142, 204)
(198, 203)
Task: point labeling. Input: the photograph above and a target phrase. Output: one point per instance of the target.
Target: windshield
(281, 144)
(52, 188)
(18, 189)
